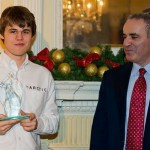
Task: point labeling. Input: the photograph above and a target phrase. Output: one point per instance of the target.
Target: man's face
(136, 43)
(17, 40)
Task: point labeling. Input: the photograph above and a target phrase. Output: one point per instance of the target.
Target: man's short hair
(18, 15)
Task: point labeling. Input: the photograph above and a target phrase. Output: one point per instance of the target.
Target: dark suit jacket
(108, 129)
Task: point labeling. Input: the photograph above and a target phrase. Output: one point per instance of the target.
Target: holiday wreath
(77, 64)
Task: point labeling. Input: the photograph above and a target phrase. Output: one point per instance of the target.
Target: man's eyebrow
(12, 29)
(133, 34)
(27, 29)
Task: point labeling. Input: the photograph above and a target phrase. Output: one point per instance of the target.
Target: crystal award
(11, 91)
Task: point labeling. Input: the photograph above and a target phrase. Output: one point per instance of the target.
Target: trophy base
(14, 117)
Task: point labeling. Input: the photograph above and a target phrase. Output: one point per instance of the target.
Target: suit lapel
(123, 81)
(147, 131)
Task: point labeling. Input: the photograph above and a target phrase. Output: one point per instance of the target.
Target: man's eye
(26, 31)
(12, 31)
(134, 37)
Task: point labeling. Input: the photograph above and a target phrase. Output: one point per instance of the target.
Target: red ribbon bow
(112, 63)
(87, 60)
(44, 56)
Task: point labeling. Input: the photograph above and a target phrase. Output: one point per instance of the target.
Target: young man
(22, 80)
(112, 125)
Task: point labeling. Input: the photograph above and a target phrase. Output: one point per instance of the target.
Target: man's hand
(7, 124)
(29, 124)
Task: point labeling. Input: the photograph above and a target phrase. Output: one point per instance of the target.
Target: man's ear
(1, 37)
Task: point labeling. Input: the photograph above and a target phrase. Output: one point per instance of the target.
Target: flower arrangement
(77, 64)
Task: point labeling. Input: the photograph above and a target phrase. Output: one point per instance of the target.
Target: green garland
(78, 73)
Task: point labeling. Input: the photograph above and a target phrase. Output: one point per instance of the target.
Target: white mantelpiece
(77, 90)
(76, 101)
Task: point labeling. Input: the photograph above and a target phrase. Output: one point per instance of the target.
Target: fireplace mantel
(76, 102)
(77, 90)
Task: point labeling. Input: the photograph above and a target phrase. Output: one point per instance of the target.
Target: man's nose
(19, 35)
(127, 41)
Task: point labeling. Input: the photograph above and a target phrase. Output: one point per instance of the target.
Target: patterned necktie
(135, 129)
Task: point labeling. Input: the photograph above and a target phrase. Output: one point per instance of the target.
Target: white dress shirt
(133, 77)
(38, 97)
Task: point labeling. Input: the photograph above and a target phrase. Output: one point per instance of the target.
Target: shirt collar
(136, 67)
(8, 62)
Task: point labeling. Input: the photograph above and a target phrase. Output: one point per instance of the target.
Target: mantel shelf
(77, 90)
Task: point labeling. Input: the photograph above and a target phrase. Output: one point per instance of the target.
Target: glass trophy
(11, 91)
(12, 103)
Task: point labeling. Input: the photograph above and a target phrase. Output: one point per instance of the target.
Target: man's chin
(130, 58)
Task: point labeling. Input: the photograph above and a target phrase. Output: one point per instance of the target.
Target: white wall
(52, 24)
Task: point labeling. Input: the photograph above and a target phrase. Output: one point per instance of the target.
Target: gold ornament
(101, 70)
(64, 68)
(91, 69)
(58, 56)
(95, 49)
